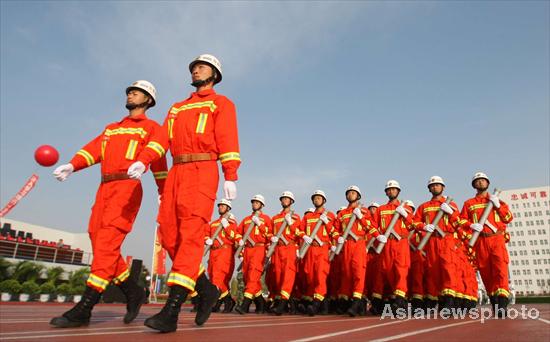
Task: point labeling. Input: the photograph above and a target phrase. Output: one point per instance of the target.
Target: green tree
(27, 270)
(53, 275)
(78, 278)
(5, 268)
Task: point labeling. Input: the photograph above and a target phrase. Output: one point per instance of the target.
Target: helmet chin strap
(200, 83)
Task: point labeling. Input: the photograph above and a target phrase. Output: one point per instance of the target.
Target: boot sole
(159, 328)
(69, 324)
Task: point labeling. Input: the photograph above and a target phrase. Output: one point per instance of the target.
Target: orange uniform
(118, 198)
(416, 271)
(254, 255)
(315, 263)
(441, 275)
(283, 260)
(395, 258)
(354, 253)
(490, 248)
(221, 261)
(199, 131)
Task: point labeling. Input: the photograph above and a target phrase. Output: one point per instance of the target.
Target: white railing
(27, 251)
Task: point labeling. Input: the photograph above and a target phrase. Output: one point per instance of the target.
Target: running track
(29, 322)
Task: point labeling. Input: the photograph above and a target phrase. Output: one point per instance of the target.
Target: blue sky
(328, 94)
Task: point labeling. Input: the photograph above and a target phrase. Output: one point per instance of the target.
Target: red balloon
(46, 155)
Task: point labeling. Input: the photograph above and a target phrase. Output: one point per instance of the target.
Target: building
(529, 247)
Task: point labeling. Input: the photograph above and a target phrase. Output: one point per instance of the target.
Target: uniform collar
(135, 118)
(203, 93)
(395, 201)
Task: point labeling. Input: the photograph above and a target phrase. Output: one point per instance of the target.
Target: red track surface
(29, 322)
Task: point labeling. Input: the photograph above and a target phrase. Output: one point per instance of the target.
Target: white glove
(63, 172)
(274, 239)
(307, 239)
(357, 212)
(256, 220)
(477, 227)
(224, 222)
(333, 249)
(288, 219)
(447, 209)
(324, 218)
(382, 238)
(495, 200)
(429, 228)
(159, 199)
(209, 242)
(241, 243)
(241, 259)
(136, 170)
(401, 211)
(230, 190)
(341, 240)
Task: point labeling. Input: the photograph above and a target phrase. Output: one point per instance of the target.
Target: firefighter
(254, 253)
(284, 257)
(416, 270)
(117, 202)
(221, 261)
(490, 248)
(315, 262)
(334, 276)
(199, 131)
(372, 259)
(354, 253)
(440, 272)
(395, 257)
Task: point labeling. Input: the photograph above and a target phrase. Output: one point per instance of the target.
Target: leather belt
(316, 244)
(500, 232)
(258, 244)
(220, 247)
(290, 243)
(193, 157)
(109, 177)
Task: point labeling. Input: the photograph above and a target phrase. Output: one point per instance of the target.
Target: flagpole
(151, 287)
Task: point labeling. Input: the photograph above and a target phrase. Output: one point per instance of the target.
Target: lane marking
(422, 331)
(343, 332)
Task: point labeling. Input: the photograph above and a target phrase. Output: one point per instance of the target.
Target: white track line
(422, 331)
(544, 320)
(343, 332)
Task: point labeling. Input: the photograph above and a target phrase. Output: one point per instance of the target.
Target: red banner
(22, 193)
(159, 257)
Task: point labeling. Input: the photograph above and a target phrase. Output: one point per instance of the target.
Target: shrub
(64, 289)
(77, 290)
(10, 286)
(47, 288)
(30, 287)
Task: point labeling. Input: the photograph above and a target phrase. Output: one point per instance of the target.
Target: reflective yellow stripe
(497, 217)
(103, 145)
(357, 295)
(345, 217)
(201, 124)
(170, 126)
(182, 280)
(399, 293)
(312, 220)
(87, 156)
(285, 294)
(225, 157)
(475, 218)
(477, 206)
(155, 146)
(248, 295)
(131, 151)
(208, 104)
(387, 212)
(97, 281)
(428, 209)
(122, 130)
(122, 277)
(160, 174)
(318, 296)
(223, 294)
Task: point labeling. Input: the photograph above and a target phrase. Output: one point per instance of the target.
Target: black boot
(228, 304)
(332, 306)
(501, 305)
(313, 308)
(270, 305)
(447, 302)
(208, 295)
(260, 304)
(377, 306)
(354, 308)
(342, 306)
(195, 301)
(398, 303)
(167, 319)
(245, 305)
(293, 306)
(135, 296)
(417, 305)
(280, 308)
(217, 306)
(80, 314)
(324, 307)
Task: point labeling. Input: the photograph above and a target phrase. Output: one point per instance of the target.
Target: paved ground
(29, 322)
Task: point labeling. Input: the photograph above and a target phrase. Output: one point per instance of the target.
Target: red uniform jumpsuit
(441, 275)
(416, 271)
(199, 131)
(253, 258)
(490, 248)
(118, 198)
(354, 253)
(222, 261)
(395, 258)
(283, 260)
(315, 263)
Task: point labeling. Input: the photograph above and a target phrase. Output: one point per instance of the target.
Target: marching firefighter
(490, 248)
(416, 271)
(440, 272)
(333, 280)
(253, 233)
(199, 131)
(221, 261)
(354, 254)
(372, 259)
(284, 258)
(315, 261)
(117, 202)
(395, 257)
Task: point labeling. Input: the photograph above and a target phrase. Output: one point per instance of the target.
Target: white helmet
(210, 60)
(226, 202)
(354, 188)
(374, 204)
(436, 180)
(320, 193)
(392, 184)
(410, 203)
(479, 175)
(310, 210)
(145, 86)
(341, 208)
(258, 198)
(287, 194)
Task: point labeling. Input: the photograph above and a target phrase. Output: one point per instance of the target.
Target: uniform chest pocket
(131, 149)
(201, 123)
